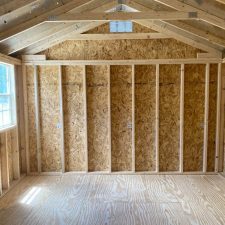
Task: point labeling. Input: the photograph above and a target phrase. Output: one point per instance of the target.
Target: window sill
(7, 128)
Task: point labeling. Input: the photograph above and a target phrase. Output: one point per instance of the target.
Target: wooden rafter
(123, 36)
(203, 15)
(176, 32)
(46, 32)
(42, 18)
(68, 30)
(14, 5)
(124, 16)
(59, 37)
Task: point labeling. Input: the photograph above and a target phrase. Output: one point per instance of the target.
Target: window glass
(121, 26)
(7, 96)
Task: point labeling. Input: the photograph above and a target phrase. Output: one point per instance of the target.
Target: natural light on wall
(7, 96)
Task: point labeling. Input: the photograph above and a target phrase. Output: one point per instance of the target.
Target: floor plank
(115, 200)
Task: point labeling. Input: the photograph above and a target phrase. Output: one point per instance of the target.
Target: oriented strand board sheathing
(31, 119)
(212, 117)
(97, 114)
(120, 49)
(121, 117)
(145, 117)
(194, 105)
(74, 122)
(169, 117)
(49, 117)
(105, 29)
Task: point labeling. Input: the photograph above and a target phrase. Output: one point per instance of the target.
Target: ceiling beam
(179, 35)
(200, 33)
(122, 36)
(200, 29)
(176, 32)
(42, 18)
(14, 5)
(44, 31)
(58, 38)
(61, 35)
(203, 15)
(124, 16)
(9, 60)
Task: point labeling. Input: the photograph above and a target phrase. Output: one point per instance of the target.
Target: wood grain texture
(73, 102)
(169, 117)
(116, 199)
(194, 100)
(9, 151)
(97, 116)
(31, 119)
(105, 29)
(212, 117)
(145, 83)
(121, 114)
(48, 81)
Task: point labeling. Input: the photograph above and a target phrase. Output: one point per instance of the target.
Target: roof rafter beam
(14, 5)
(58, 38)
(42, 18)
(124, 16)
(179, 35)
(203, 15)
(122, 36)
(176, 32)
(62, 34)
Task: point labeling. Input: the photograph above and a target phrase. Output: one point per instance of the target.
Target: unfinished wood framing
(157, 120)
(93, 77)
(4, 163)
(37, 118)
(206, 118)
(133, 118)
(109, 120)
(26, 126)
(85, 118)
(82, 17)
(181, 153)
(62, 145)
(219, 120)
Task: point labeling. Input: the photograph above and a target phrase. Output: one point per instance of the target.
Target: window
(121, 26)
(7, 96)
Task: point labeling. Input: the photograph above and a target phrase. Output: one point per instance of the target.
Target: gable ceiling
(25, 27)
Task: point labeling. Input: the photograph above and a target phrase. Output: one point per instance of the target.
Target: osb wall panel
(98, 117)
(105, 29)
(121, 117)
(49, 117)
(73, 103)
(145, 103)
(194, 100)
(169, 117)
(212, 117)
(120, 49)
(31, 118)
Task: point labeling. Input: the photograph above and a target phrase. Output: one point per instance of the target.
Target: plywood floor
(115, 199)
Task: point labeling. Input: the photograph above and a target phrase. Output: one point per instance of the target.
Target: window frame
(116, 23)
(11, 94)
